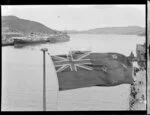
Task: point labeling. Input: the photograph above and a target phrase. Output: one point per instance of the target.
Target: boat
(23, 42)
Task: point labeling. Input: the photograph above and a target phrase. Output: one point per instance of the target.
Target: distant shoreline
(108, 34)
(127, 30)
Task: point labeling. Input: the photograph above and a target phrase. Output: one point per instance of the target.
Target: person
(142, 97)
(133, 92)
(141, 82)
(136, 70)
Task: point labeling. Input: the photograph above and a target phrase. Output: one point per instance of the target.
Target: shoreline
(24, 42)
(7, 44)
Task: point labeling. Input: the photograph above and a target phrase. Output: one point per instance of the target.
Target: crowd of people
(137, 95)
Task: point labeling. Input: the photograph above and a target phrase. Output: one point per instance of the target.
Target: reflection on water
(22, 76)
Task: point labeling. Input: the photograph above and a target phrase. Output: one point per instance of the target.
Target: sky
(79, 17)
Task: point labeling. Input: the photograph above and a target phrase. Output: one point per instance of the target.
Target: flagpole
(44, 79)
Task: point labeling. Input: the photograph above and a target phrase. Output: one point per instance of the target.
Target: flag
(85, 69)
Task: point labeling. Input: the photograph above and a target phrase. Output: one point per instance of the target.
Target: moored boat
(24, 42)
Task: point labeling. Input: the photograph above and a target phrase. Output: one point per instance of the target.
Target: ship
(18, 43)
(23, 41)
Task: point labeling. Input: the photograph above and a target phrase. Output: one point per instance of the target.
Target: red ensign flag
(85, 69)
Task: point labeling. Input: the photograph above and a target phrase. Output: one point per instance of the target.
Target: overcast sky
(80, 17)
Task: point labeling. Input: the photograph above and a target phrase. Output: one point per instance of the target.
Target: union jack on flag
(74, 61)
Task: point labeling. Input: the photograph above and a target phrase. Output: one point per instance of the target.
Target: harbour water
(22, 74)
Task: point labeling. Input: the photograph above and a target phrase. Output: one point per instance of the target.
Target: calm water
(22, 76)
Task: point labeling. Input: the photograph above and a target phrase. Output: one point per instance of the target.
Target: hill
(129, 30)
(15, 24)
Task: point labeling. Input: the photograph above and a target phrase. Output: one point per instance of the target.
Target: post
(44, 79)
